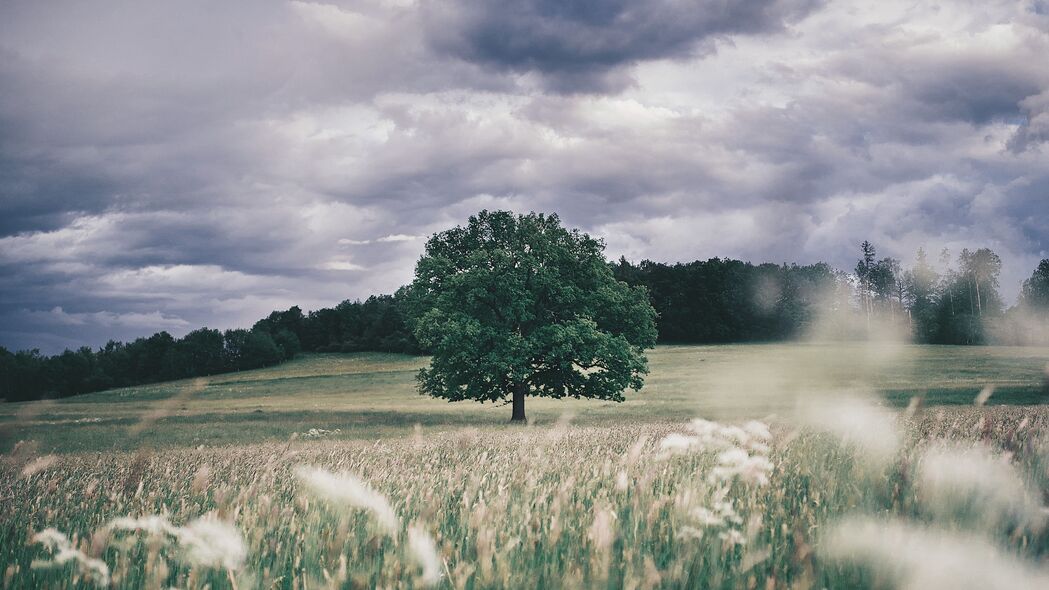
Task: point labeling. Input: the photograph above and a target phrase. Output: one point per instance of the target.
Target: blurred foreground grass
(555, 506)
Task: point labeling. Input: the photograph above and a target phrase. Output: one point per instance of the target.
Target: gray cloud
(584, 46)
(168, 167)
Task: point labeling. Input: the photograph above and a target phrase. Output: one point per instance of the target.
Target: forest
(952, 300)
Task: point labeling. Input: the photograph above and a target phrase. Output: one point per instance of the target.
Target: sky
(170, 165)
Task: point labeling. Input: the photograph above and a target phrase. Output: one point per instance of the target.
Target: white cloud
(145, 321)
(244, 172)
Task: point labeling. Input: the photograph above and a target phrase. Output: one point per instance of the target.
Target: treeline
(723, 300)
(954, 300)
(351, 326)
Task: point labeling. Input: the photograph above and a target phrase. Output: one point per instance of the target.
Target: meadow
(372, 395)
(763, 466)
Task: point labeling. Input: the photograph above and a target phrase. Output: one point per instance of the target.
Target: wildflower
(732, 537)
(601, 531)
(205, 541)
(213, 543)
(974, 482)
(316, 433)
(919, 557)
(37, 465)
(345, 488)
(677, 443)
(424, 551)
(752, 469)
(858, 422)
(57, 542)
(712, 436)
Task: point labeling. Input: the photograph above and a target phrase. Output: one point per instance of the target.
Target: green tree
(982, 268)
(865, 270)
(1035, 291)
(920, 293)
(516, 305)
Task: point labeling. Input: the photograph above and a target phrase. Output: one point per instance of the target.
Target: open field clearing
(816, 470)
(367, 396)
(635, 505)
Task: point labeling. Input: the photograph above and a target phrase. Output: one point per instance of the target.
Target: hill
(371, 395)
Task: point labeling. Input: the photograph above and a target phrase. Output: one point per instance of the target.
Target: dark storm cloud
(583, 45)
(178, 165)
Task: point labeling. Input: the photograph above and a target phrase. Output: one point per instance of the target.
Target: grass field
(842, 482)
(372, 395)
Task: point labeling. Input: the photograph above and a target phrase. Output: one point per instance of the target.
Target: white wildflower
(154, 525)
(706, 517)
(690, 532)
(858, 422)
(752, 469)
(677, 443)
(64, 552)
(758, 430)
(720, 517)
(39, 464)
(732, 537)
(915, 557)
(213, 543)
(602, 531)
(346, 489)
(424, 551)
(317, 433)
(712, 436)
(984, 395)
(974, 481)
(205, 541)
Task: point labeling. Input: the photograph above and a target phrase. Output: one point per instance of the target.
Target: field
(368, 396)
(816, 469)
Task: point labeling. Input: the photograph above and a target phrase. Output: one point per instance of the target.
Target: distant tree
(153, 357)
(982, 268)
(250, 349)
(288, 343)
(866, 269)
(920, 294)
(882, 280)
(898, 286)
(1034, 293)
(516, 305)
(200, 353)
(1027, 323)
(291, 321)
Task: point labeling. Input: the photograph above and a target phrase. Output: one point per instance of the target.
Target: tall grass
(665, 505)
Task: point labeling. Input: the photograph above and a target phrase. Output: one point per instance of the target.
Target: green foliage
(518, 301)
(1035, 291)
(724, 300)
(374, 324)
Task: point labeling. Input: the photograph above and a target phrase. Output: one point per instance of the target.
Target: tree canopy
(517, 305)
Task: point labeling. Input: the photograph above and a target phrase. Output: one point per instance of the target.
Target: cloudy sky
(177, 164)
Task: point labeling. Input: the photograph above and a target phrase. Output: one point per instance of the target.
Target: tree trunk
(979, 303)
(520, 390)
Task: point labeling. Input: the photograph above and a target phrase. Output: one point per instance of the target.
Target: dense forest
(352, 326)
(954, 300)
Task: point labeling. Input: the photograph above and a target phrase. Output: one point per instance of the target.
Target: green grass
(594, 503)
(372, 395)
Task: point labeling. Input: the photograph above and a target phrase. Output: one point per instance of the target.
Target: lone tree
(517, 305)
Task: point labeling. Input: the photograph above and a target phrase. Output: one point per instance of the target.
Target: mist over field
(620, 294)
